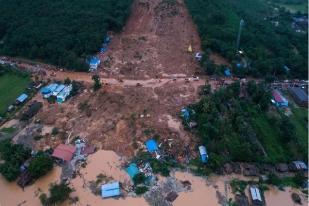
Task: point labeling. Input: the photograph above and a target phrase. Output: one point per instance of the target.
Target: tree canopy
(59, 32)
(268, 40)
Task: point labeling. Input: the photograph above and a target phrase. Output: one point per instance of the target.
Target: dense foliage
(58, 194)
(13, 156)
(40, 165)
(59, 32)
(267, 47)
(239, 125)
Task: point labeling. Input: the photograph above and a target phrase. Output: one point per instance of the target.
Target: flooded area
(202, 192)
(275, 197)
(214, 190)
(11, 194)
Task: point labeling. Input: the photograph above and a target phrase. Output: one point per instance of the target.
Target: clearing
(11, 86)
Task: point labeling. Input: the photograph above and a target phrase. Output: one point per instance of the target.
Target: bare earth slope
(154, 42)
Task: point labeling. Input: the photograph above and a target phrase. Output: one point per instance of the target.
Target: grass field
(11, 86)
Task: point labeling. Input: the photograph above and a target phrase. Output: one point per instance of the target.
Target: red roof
(64, 152)
(277, 96)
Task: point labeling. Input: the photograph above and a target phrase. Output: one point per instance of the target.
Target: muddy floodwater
(203, 191)
(11, 194)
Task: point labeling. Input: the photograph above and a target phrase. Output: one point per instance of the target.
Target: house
(64, 152)
(132, 170)
(48, 90)
(279, 100)
(151, 145)
(61, 97)
(21, 99)
(58, 89)
(298, 166)
(94, 62)
(110, 190)
(227, 72)
(198, 56)
(203, 153)
(185, 113)
(299, 95)
(256, 196)
(32, 110)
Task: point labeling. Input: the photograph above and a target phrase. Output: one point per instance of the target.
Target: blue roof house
(227, 72)
(22, 98)
(107, 40)
(110, 190)
(203, 153)
(132, 170)
(94, 62)
(185, 114)
(151, 145)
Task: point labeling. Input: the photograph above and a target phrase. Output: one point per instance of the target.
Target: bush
(40, 165)
(13, 155)
(58, 194)
(140, 190)
(159, 167)
(139, 178)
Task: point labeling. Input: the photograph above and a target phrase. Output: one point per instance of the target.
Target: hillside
(268, 40)
(62, 33)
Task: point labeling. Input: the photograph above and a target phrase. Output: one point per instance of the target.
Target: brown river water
(108, 163)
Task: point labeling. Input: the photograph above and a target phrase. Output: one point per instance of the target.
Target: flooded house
(110, 190)
(256, 198)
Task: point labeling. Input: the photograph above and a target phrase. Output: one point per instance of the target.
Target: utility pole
(241, 24)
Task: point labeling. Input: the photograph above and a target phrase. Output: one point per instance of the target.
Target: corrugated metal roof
(110, 190)
(64, 152)
(300, 165)
(300, 93)
(132, 170)
(151, 145)
(22, 98)
(255, 193)
(278, 96)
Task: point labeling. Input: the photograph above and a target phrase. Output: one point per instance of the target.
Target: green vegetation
(13, 156)
(297, 181)
(58, 194)
(267, 48)
(59, 32)
(96, 82)
(238, 186)
(293, 5)
(245, 129)
(8, 130)
(40, 165)
(139, 178)
(140, 190)
(12, 84)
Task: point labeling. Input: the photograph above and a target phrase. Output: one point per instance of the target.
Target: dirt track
(151, 51)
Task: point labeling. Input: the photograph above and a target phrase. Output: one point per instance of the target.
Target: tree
(97, 84)
(58, 194)
(287, 129)
(139, 178)
(13, 155)
(40, 165)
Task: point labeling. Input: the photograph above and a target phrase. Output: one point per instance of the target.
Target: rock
(241, 200)
(282, 167)
(296, 198)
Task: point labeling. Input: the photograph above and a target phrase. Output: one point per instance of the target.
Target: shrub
(40, 165)
(141, 190)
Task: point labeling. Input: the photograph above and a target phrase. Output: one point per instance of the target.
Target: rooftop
(64, 152)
